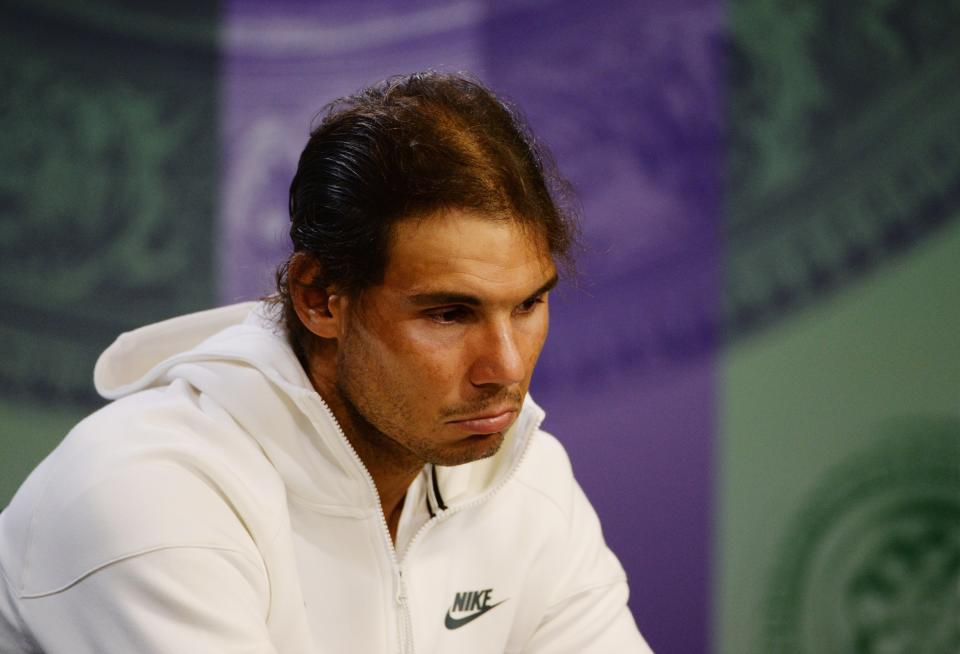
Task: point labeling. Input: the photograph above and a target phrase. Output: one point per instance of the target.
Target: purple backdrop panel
(628, 95)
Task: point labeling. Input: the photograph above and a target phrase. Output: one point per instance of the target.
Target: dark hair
(410, 146)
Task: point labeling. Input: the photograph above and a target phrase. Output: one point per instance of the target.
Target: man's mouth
(490, 422)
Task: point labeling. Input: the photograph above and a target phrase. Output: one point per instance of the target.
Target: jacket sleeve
(167, 601)
(588, 612)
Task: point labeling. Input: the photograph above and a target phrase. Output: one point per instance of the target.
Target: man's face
(438, 358)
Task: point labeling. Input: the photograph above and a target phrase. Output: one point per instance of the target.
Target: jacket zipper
(404, 622)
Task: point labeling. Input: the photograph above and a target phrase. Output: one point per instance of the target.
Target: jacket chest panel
(346, 580)
(478, 582)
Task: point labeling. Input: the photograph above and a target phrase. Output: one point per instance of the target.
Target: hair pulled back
(412, 146)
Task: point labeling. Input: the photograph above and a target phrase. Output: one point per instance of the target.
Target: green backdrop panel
(28, 431)
(840, 486)
(107, 193)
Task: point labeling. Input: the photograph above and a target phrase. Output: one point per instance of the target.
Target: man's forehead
(463, 223)
(463, 249)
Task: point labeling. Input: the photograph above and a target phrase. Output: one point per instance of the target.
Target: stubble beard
(381, 420)
(399, 447)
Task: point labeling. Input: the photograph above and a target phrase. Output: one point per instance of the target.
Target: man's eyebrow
(546, 288)
(452, 297)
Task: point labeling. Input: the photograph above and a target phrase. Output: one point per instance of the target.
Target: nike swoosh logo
(455, 623)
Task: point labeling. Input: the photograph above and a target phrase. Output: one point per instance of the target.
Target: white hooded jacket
(216, 506)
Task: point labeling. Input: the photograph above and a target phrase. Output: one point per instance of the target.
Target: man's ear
(318, 306)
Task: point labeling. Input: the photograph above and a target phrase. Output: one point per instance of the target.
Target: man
(353, 465)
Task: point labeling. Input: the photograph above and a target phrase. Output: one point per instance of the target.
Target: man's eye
(448, 315)
(530, 304)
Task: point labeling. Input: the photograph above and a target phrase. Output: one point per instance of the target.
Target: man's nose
(499, 360)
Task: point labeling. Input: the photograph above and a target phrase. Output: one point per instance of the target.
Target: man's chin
(467, 450)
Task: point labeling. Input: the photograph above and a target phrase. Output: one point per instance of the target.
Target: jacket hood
(239, 357)
(241, 333)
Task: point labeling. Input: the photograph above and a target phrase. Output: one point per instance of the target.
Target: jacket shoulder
(148, 472)
(547, 471)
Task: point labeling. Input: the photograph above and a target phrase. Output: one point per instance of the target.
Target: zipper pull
(404, 628)
(401, 594)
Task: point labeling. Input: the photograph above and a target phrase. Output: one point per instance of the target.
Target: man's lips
(489, 423)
